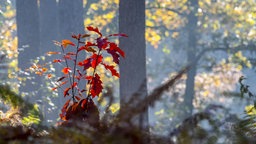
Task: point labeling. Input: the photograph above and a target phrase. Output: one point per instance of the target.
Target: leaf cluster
(75, 71)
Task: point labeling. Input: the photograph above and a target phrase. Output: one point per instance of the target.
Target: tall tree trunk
(70, 18)
(27, 17)
(191, 56)
(49, 32)
(133, 67)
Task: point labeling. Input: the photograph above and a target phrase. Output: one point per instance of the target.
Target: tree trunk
(70, 18)
(27, 17)
(49, 32)
(133, 67)
(191, 56)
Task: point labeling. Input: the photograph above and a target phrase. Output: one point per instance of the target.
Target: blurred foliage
(214, 87)
(29, 113)
(202, 127)
(8, 43)
(103, 14)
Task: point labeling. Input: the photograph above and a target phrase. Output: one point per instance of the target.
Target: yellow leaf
(206, 93)
(149, 23)
(67, 42)
(250, 110)
(94, 7)
(114, 107)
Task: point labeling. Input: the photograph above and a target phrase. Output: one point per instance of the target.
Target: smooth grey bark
(27, 17)
(191, 57)
(49, 32)
(70, 18)
(133, 67)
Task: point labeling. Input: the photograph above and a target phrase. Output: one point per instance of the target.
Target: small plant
(75, 71)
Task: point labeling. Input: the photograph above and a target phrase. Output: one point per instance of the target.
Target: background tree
(8, 41)
(49, 31)
(27, 16)
(191, 28)
(133, 68)
(70, 18)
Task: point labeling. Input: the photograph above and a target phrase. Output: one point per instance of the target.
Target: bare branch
(168, 9)
(165, 28)
(231, 50)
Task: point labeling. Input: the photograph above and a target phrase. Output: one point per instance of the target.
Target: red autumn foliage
(112, 70)
(80, 99)
(96, 60)
(66, 70)
(96, 86)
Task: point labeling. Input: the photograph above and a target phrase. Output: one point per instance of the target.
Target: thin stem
(74, 70)
(69, 74)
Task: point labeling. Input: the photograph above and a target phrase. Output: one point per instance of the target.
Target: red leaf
(81, 48)
(56, 61)
(67, 42)
(77, 98)
(83, 90)
(87, 48)
(113, 46)
(66, 91)
(64, 110)
(74, 84)
(66, 70)
(90, 28)
(53, 89)
(96, 60)
(65, 106)
(49, 76)
(80, 74)
(90, 49)
(88, 77)
(74, 106)
(83, 103)
(112, 70)
(86, 63)
(90, 44)
(121, 35)
(60, 79)
(70, 53)
(63, 83)
(96, 86)
(114, 54)
(67, 57)
(76, 36)
(102, 43)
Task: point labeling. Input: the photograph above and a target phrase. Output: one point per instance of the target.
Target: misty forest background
(215, 38)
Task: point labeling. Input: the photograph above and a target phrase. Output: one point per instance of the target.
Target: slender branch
(165, 28)
(232, 50)
(134, 106)
(69, 74)
(168, 9)
(74, 70)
